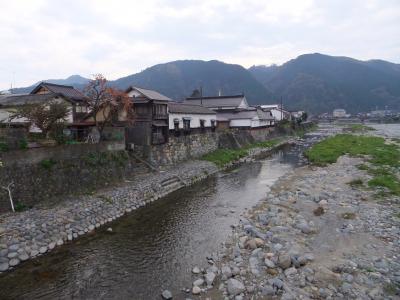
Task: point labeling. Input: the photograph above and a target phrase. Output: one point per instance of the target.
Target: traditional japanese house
(190, 118)
(45, 93)
(151, 117)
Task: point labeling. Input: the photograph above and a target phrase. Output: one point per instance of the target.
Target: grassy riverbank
(222, 157)
(383, 158)
(360, 128)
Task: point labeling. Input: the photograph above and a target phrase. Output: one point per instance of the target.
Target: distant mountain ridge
(178, 79)
(319, 83)
(76, 81)
(313, 82)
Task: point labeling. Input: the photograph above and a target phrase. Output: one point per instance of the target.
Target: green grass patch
(330, 149)
(23, 144)
(390, 181)
(363, 167)
(19, 207)
(265, 144)
(370, 269)
(4, 146)
(47, 163)
(383, 157)
(360, 128)
(222, 157)
(391, 288)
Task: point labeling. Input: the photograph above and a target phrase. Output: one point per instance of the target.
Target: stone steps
(171, 184)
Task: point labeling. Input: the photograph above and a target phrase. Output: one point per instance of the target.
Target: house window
(203, 125)
(81, 109)
(160, 110)
(141, 110)
(186, 125)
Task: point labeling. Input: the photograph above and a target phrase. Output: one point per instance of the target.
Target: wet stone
(4, 266)
(13, 262)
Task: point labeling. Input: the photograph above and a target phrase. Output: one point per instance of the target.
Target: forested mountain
(319, 83)
(178, 79)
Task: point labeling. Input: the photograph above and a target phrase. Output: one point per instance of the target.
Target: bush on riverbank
(383, 157)
(222, 157)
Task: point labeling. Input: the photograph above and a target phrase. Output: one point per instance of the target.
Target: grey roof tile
(186, 108)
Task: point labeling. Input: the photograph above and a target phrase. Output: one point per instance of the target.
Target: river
(155, 247)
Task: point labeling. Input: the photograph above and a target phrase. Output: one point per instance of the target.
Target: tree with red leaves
(108, 106)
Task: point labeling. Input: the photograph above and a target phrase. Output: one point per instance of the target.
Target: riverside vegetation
(222, 157)
(383, 163)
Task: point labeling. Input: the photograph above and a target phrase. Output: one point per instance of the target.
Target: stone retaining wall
(50, 179)
(179, 148)
(35, 232)
(196, 145)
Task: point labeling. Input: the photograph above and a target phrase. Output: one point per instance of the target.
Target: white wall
(277, 114)
(253, 123)
(240, 123)
(339, 113)
(194, 121)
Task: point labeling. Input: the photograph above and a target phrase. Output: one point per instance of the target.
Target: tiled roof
(65, 90)
(217, 101)
(22, 99)
(186, 108)
(150, 94)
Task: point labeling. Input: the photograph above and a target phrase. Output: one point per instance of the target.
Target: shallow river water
(153, 248)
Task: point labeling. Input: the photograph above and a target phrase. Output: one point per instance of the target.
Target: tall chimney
(219, 92)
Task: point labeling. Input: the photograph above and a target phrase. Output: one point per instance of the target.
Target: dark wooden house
(151, 117)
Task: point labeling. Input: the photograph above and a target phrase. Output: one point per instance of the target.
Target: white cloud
(49, 39)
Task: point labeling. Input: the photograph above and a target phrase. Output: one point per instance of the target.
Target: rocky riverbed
(315, 236)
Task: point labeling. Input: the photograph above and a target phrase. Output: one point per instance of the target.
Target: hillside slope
(178, 79)
(320, 83)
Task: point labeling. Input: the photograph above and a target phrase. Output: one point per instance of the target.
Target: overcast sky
(42, 39)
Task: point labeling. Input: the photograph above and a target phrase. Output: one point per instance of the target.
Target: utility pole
(281, 108)
(201, 95)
